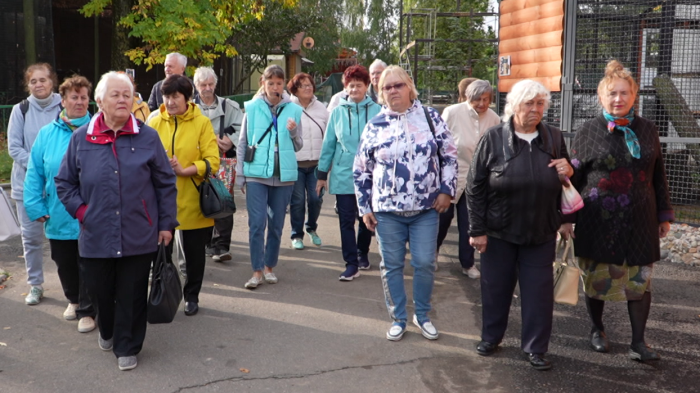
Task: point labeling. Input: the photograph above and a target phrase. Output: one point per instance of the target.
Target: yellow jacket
(194, 140)
(140, 108)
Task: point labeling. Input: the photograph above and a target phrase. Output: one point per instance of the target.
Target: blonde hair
(403, 76)
(462, 88)
(615, 70)
(523, 91)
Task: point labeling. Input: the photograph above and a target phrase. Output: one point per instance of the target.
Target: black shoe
(538, 361)
(642, 353)
(485, 348)
(599, 342)
(191, 308)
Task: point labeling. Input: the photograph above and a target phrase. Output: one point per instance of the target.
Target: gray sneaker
(35, 295)
(127, 363)
(105, 345)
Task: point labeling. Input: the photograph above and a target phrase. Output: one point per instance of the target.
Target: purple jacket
(127, 184)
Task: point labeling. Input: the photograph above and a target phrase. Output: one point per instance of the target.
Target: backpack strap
(430, 121)
(223, 118)
(24, 107)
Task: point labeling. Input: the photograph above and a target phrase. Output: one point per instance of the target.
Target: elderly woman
(315, 118)
(225, 116)
(190, 143)
(345, 126)
(468, 122)
(405, 175)
(116, 180)
(270, 136)
(620, 175)
(42, 204)
(514, 192)
(39, 109)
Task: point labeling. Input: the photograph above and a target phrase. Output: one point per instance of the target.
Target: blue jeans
(305, 191)
(33, 243)
(347, 215)
(266, 208)
(393, 231)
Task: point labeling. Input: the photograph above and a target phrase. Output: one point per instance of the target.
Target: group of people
(107, 190)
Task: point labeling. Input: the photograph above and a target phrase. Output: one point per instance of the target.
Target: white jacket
(467, 128)
(315, 119)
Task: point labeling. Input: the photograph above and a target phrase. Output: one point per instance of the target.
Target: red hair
(356, 72)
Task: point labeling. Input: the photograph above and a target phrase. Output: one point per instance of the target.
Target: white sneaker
(36, 292)
(472, 272)
(270, 278)
(395, 332)
(254, 282)
(69, 314)
(86, 324)
(429, 331)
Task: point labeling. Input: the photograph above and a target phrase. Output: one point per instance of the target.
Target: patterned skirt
(608, 282)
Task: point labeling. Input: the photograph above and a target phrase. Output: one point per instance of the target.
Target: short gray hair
(202, 74)
(101, 88)
(377, 62)
(478, 88)
(522, 91)
(182, 59)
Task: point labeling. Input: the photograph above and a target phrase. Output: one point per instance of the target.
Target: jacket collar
(511, 143)
(96, 131)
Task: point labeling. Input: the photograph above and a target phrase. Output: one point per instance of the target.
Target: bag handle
(207, 173)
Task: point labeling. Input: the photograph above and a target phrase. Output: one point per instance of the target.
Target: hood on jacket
(192, 112)
(295, 100)
(416, 105)
(346, 101)
(54, 103)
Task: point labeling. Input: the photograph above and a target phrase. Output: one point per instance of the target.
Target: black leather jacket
(512, 193)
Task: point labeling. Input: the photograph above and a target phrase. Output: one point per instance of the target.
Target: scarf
(622, 123)
(74, 123)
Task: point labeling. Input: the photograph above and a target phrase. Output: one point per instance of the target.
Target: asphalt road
(312, 333)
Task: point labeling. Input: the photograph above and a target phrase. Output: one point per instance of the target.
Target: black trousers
(347, 215)
(502, 266)
(119, 290)
(194, 242)
(466, 251)
(222, 235)
(65, 254)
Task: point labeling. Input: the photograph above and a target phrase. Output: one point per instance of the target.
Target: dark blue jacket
(127, 185)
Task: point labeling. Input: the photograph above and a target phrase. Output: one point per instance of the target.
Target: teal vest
(259, 118)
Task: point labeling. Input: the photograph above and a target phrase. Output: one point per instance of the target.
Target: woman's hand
(370, 221)
(442, 202)
(180, 171)
(563, 167)
(165, 237)
(224, 143)
(664, 228)
(320, 184)
(43, 219)
(479, 243)
(567, 230)
(291, 124)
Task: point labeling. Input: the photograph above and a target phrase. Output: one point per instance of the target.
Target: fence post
(568, 69)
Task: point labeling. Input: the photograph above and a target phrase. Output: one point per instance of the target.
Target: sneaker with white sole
(86, 324)
(105, 345)
(396, 331)
(270, 278)
(429, 331)
(297, 244)
(35, 294)
(363, 261)
(315, 239)
(472, 272)
(127, 363)
(69, 314)
(224, 256)
(350, 273)
(254, 282)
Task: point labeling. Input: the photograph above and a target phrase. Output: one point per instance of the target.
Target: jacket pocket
(145, 210)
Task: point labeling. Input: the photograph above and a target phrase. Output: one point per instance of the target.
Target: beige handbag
(566, 275)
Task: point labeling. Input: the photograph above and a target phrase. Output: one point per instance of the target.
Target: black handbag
(166, 290)
(215, 200)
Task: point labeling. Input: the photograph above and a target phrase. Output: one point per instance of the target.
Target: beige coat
(467, 128)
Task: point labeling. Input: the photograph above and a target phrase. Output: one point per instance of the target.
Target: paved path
(312, 333)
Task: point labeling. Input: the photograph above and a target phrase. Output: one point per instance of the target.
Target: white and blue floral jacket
(401, 165)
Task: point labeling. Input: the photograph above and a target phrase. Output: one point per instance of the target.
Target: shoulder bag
(9, 225)
(215, 200)
(566, 275)
(571, 200)
(166, 290)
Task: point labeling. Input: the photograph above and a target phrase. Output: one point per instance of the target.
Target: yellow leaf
(245, 370)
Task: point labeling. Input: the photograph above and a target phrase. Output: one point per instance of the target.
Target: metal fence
(659, 41)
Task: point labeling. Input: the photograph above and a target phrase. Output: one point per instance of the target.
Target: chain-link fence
(659, 41)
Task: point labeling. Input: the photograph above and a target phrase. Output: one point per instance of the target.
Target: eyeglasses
(397, 86)
(306, 87)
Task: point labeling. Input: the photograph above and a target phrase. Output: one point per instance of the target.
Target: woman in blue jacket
(42, 204)
(345, 125)
(117, 181)
(267, 167)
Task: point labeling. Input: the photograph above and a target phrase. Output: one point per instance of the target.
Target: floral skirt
(608, 282)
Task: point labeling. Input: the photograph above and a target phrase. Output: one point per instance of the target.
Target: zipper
(172, 144)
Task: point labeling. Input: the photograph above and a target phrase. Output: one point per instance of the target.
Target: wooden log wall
(532, 34)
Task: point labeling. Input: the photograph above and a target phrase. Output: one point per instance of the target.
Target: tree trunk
(120, 35)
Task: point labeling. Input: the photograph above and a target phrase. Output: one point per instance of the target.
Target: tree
(370, 27)
(199, 29)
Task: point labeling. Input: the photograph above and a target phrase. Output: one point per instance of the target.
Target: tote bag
(566, 275)
(9, 225)
(166, 290)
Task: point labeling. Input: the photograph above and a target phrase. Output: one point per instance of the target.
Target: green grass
(5, 161)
